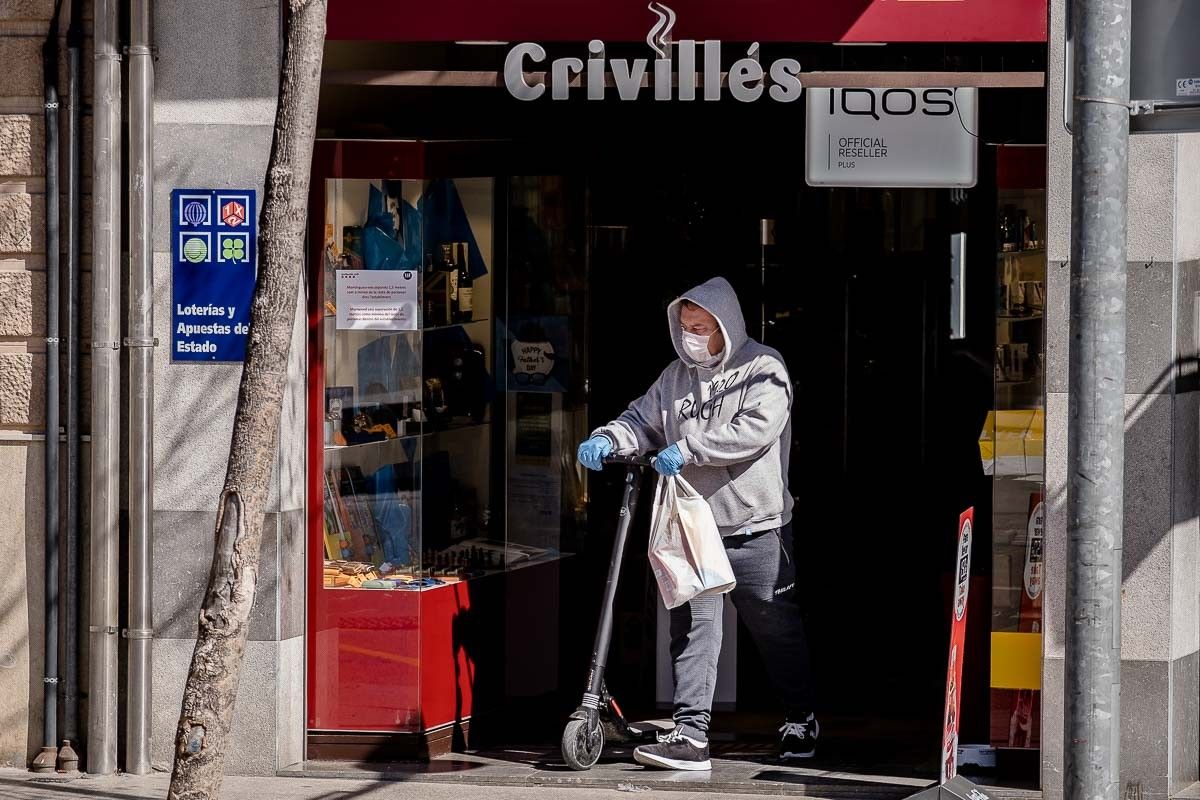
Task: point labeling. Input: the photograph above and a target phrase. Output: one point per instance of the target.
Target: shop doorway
(601, 216)
(854, 291)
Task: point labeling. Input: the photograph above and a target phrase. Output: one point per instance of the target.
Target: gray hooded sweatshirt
(732, 421)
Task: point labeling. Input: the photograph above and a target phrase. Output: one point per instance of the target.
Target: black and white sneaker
(798, 737)
(674, 751)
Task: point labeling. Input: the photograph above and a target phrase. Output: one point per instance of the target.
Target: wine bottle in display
(437, 290)
(445, 267)
(452, 282)
(466, 289)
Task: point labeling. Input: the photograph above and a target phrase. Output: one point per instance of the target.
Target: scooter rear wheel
(581, 747)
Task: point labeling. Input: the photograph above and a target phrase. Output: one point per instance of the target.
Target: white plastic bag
(686, 551)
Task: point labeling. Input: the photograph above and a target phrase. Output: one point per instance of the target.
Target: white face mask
(696, 347)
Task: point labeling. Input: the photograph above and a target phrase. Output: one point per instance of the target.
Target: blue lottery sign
(214, 241)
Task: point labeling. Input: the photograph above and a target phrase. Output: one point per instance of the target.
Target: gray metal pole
(141, 389)
(106, 386)
(1096, 427)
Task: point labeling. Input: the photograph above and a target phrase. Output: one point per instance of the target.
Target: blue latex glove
(669, 462)
(592, 452)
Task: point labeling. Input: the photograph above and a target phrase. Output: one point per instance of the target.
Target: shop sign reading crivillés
(748, 79)
(885, 137)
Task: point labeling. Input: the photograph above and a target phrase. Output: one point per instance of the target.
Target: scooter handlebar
(632, 461)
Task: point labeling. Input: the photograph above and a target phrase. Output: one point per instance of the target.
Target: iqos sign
(748, 78)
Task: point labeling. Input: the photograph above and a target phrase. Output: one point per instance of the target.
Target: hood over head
(717, 298)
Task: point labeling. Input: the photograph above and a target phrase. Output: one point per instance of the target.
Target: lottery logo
(195, 250)
(233, 247)
(233, 214)
(195, 213)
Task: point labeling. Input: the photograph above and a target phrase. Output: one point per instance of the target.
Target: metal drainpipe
(46, 760)
(141, 389)
(67, 757)
(106, 402)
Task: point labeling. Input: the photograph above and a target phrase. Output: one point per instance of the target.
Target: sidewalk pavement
(22, 785)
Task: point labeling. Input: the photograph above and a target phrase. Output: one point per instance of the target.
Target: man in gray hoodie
(720, 415)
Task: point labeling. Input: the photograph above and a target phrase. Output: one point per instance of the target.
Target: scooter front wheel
(581, 747)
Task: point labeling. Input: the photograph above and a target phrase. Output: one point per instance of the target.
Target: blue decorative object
(446, 221)
(392, 518)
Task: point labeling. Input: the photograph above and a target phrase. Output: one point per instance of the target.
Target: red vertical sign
(1024, 725)
(958, 642)
(1023, 728)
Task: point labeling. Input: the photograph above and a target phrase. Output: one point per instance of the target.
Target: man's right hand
(593, 452)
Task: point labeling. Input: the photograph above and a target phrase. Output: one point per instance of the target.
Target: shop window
(1013, 450)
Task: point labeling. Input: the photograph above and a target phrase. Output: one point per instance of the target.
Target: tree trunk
(212, 681)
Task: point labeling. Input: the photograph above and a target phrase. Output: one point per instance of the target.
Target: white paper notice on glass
(377, 300)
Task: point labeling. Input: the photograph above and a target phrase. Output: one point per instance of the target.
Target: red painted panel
(380, 159)
(316, 419)
(743, 21)
(373, 159)
(366, 673)
(447, 670)
(1021, 167)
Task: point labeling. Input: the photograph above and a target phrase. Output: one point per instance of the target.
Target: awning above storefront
(849, 21)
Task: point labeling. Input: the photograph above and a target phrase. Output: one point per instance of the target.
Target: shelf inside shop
(372, 455)
(466, 426)
(453, 325)
(449, 581)
(508, 557)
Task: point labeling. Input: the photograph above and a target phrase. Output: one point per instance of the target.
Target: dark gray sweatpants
(765, 598)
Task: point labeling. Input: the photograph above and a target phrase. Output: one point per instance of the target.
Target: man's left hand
(669, 462)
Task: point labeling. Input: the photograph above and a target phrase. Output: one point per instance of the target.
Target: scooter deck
(650, 727)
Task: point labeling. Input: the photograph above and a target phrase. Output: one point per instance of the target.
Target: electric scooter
(599, 718)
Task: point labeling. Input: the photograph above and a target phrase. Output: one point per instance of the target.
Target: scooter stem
(604, 629)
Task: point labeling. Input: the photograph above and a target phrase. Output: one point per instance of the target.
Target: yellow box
(1016, 660)
(1015, 432)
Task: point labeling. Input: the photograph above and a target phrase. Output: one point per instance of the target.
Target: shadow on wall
(32, 605)
(22, 712)
(191, 459)
(1156, 462)
(22, 604)
(236, 64)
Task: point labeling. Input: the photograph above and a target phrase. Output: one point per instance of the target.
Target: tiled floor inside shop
(866, 761)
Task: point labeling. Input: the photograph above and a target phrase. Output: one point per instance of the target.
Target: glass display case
(401, 356)
(408, 384)
(1013, 450)
(446, 392)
